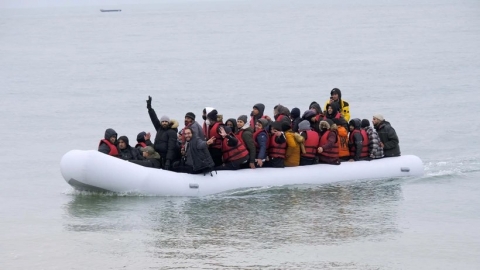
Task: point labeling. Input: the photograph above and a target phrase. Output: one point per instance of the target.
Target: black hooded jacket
(234, 122)
(103, 147)
(389, 138)
(197, 154)
(357, 139)
(129, 153)
(165, 139)
(331, 116)
(261, 111)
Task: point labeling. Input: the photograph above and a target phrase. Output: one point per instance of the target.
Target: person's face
(375, 121)
(258, 125)
(351, 128)
(255, 111)
(113, 139)
(240, 123)
(121, 144)
(330, 110)
(145, 154)
(230, 124)
(313, 119)
(188, 120)
(165, 124)
(335, 96)
(188, 135)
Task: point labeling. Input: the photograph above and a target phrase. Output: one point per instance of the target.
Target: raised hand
(147, 136)
(149, 102)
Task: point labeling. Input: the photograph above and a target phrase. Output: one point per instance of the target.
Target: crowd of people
(288, 139)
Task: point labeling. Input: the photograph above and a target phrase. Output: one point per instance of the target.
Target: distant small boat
(110, 10)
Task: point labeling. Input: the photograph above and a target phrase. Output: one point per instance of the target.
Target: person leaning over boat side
(232, 124)
(212, 129)
(126, 151)
(292, 155)
(328, 146)
(344, 107)
(151, 158)
(332, 113)
(197, 157)
(261, 140)
(245, 135)
(343, 148)
(108, 145)
(358, 141)
(277, 148)
(374, 148)
(166, 138)
(388, 136)
(143, 140)
(296, 119)
(234, 152)
(310, 139)
(257, 113)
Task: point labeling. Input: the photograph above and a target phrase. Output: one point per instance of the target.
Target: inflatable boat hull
(94, 171)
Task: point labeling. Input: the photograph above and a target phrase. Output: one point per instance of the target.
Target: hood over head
(356, 123)
(283, 110)
(109, 133)
(336, 90)
(264, 122)
(314, 105)
(234, 122)
(125, 139)
(308, 114)
(261, 108)
(141, 136)
(335, 109)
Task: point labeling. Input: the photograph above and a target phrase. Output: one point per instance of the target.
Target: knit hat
(164, 119)
(263, 121)
(304, 125)
(379, 117)
(141, 136)
(148, 149)
(295, 113)
(243, 118)
(365, 123)
(190, 115)
(212, 115)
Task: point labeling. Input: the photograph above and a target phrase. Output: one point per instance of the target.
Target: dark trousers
(234, 165)
(275, 163)
(216, 155)
(306, 161)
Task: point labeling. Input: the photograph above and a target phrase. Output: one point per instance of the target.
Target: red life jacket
(252, 122)
(255, 135)
(113, 148)
(311, 144)
(141, 144)
(276, 150)
(237, 152)
(212, 132)
(332, 152)
(239, 135)
(365, 152)
(337, 116)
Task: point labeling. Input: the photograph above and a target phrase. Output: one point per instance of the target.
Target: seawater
(67, 74)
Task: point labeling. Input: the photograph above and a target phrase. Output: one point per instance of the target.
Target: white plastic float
(95, 171)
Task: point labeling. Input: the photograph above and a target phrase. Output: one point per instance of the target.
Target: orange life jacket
(343, 150)
(113, 148)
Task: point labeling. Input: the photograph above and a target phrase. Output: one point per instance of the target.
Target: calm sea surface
(67, 74)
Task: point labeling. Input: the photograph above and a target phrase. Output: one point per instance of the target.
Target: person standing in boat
(108, 145)
(344, 106)
(212, 128)
(388, 136)
(143, 140)
(358, 141)
(127, 152)
(376, 151)
(277, 148)
(328, 147)
(234, 152)
(197, 156)
(245, 135)
(151, 158)
(166, 138)
(309, 139)
(260, 138)
(257, 113)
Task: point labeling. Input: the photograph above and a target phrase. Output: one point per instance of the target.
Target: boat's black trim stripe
(84, 187)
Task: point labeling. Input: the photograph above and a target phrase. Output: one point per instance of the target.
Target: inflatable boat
(94, 171)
